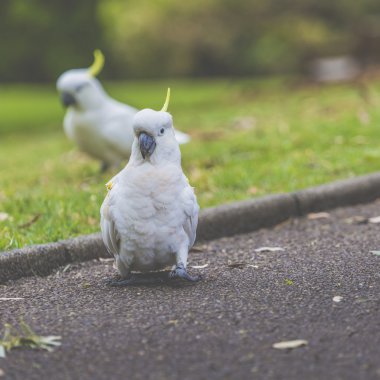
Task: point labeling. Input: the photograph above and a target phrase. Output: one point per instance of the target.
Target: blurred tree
(40, 39)
(234, 37)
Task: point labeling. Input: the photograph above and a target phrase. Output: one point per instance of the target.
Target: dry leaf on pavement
(26, 337)
(290, 344)
(236, 264)
(11, 298)
(318, 215)
(374, 220)
(199, 266)
(269, 249)
(357, 219)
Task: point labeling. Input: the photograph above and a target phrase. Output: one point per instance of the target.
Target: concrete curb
(216, 222)
(41, 260)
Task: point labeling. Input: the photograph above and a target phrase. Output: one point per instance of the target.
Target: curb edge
(216, 222)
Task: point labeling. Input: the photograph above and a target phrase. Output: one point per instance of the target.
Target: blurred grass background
(249, 138)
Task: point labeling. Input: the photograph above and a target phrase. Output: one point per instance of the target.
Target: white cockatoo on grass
(150, 214)
(99, 125)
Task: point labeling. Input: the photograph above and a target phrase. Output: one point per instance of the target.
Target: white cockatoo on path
(99, 125)
(150, 214)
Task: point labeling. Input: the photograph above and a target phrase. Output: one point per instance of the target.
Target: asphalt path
(323, 287)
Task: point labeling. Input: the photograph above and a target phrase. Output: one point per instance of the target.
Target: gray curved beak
(147, 144)
(68, 99)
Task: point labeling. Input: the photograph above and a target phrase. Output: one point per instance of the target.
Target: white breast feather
(149, 211)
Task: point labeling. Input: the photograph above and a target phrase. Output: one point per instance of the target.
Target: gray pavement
(223, 327)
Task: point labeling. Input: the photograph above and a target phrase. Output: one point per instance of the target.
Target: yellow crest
(165, 107)
(109, 185)
(98, 64)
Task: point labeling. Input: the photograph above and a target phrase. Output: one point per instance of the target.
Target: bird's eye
(162, 131)
(80, 87)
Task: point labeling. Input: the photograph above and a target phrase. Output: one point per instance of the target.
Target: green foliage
(249, 138)
(41, 39)
(27, 338)
(216, 37)
(164, 38)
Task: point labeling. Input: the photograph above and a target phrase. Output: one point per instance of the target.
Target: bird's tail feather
(181, 137)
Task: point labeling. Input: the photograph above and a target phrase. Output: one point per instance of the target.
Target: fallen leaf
(290, 344)
(26, 337)
(376, 253)
(197, 249)
(3, 216)
(374, 220)
(92, 221)
(66, 268)
(196, 174)
(30, 222)
(269, 249)
(364, 117)
(337, 298)
(247, 358)
(47, 342)
(245, 123)
(236, 264)
(105, 260)
(356, 220)
(11, 298)
(199, 266)
(288, 281)
(253, 190)
(318, 215)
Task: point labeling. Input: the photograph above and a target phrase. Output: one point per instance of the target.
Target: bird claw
(180, 272)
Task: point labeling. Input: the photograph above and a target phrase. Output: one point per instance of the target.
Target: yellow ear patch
(98, 64)
(109, 185)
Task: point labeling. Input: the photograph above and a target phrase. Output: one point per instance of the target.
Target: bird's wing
(118, 132)
(191, 212)
(110, 235)
(68, 125)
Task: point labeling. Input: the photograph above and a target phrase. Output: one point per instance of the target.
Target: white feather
(99, 125)
(150, 214)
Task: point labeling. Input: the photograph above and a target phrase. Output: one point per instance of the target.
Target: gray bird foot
(180, 272)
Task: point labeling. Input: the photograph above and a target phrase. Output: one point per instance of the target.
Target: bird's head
(155, 139)
(79, 88)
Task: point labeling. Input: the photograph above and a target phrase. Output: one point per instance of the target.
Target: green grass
(250, 138)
